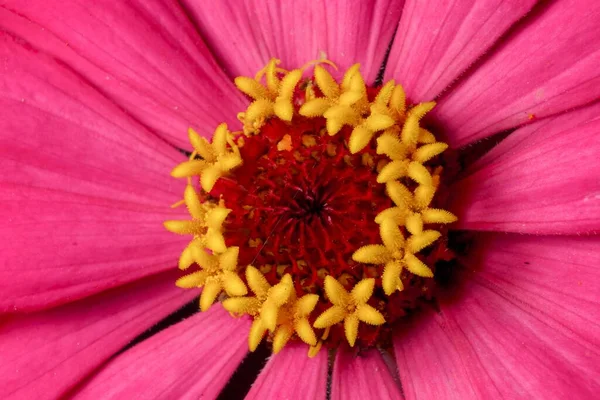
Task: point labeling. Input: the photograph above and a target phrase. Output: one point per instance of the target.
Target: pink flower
(96, 99)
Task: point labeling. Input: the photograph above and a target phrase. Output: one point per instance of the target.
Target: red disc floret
(301, 203)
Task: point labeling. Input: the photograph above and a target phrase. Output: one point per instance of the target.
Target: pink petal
(524, 326)
(290, 374)
(547, 66)
(542, 179)
(146, 56)
(434, 45)
(193, 359)
(556, 275)
(59, 132)
(46, 354)
(345, 32)
(84, 189)
(434, 364)
(536, 134)
(362, 377)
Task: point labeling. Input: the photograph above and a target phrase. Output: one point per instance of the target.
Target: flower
(96, 100)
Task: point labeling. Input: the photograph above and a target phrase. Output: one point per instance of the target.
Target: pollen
(320, 217)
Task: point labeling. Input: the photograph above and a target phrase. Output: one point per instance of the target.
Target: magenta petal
(290, 374)
(557, 276)
(525, 326)
(46, 354)
(362, 377)
(193, 359)
(60, 247)
(146, 56)
(435, 44)
(346, 32)
(536, 134)
(543, 180)
(58, 132)
(431, 362)
(84, 189)
(548, 65)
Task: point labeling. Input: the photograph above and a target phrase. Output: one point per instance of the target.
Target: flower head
(308, 147)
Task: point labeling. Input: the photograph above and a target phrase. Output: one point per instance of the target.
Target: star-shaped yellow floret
(293, 317)
(218, 273)
(412, 209)
(401, 165)
(411, 129)
(396, 253)
(274, 98)
(264, 306)
(401, 144)
(206, 225)
(349, 307)
(341, 104)
(219, 156)
(386, 114)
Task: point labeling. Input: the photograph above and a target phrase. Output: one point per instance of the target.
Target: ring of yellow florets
(277, 309)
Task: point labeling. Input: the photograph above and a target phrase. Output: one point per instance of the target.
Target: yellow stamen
(427, 152)
(266, 308)
(326, 83)
(314, 350)
(217, 158)
(349, 307)
(217, 274)
(392, 171)
(395, 253)
(293, 318)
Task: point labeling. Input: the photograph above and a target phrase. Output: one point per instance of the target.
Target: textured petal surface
(546, 66)
(435, 44)
(544, 178)
(146, 56)
(84, 188)
(46, 354)
(290, 374)
(431, 365)
(245, 35)
(524, 326)
(193, 359)
(362, 377)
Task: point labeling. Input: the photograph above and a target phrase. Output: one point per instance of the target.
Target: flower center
(302, 203)
(318, 218)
